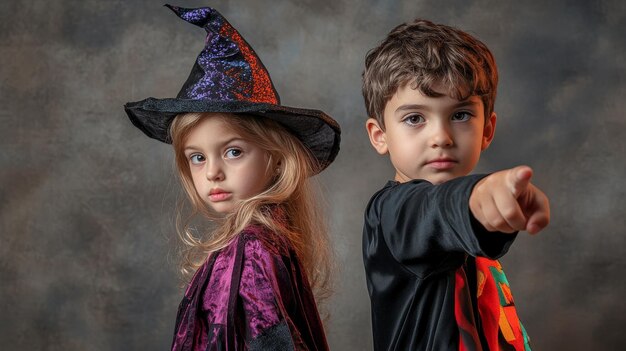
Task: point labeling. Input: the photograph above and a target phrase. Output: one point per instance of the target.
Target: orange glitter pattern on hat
(262, 88)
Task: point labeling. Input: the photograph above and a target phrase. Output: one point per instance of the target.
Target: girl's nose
(214, 171)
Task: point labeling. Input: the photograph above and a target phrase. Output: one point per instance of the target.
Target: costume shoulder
(269, 294)
(265, 239)
(421, 225)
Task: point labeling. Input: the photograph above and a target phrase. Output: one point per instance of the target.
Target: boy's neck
(401, 178)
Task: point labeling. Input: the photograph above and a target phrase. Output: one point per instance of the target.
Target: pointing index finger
(519, 178)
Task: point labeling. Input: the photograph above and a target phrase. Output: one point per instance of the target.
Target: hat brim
(315, 129)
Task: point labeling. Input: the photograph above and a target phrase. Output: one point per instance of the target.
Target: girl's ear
(489, 130)
(377, 136)
(277, 168)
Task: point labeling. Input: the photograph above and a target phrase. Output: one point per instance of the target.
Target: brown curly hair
(428, 56)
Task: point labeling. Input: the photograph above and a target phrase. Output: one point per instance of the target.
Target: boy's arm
(506, 201)
(429, 228)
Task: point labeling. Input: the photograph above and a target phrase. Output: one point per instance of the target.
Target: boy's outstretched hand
(506, 201)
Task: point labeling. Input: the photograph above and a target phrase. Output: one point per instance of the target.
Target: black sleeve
(428, 227)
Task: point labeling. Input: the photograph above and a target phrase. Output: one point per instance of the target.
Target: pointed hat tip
(198, 16)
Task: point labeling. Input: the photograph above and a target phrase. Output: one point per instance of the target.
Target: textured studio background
(87, 247)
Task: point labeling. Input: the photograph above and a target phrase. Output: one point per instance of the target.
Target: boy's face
(432, 138)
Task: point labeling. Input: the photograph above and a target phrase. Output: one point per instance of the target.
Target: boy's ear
(377, 136)
(489, 131)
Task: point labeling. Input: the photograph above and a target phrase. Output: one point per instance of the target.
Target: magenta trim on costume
(258, 305)
(256, 290)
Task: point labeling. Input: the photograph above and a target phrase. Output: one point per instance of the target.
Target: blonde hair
(301, 221)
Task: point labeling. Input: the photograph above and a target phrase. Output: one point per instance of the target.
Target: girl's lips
(219, 196)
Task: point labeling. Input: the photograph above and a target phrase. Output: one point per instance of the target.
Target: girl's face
(225, 168)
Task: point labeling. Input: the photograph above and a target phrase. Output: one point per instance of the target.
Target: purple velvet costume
(251, 295)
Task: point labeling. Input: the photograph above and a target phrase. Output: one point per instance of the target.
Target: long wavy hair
(300, 218)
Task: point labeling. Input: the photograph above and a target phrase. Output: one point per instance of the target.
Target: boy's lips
(217, 195)
(442, 164)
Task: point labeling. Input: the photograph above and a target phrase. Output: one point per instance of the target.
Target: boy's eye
(461, 116)
(413, 120)
(233, 153)
(196, 159)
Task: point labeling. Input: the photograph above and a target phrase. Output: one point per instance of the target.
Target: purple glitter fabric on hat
(227, 69)
(229, 77)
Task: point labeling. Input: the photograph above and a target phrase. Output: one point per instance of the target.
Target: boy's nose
(441, 137)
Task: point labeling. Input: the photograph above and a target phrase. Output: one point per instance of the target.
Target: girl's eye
(196, 159)
(413, 120)
(461, 116)
(233, 153)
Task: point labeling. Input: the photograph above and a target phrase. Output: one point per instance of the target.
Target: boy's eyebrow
(467, 103)
(412, 107)
(409, 107)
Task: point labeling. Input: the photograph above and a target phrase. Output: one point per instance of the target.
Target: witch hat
(229, 77)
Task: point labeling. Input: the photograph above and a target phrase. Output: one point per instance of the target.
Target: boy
(431, 237)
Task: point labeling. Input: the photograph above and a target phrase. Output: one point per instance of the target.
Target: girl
(244, 161)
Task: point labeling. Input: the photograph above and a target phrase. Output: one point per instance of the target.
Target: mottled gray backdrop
(87, 247)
